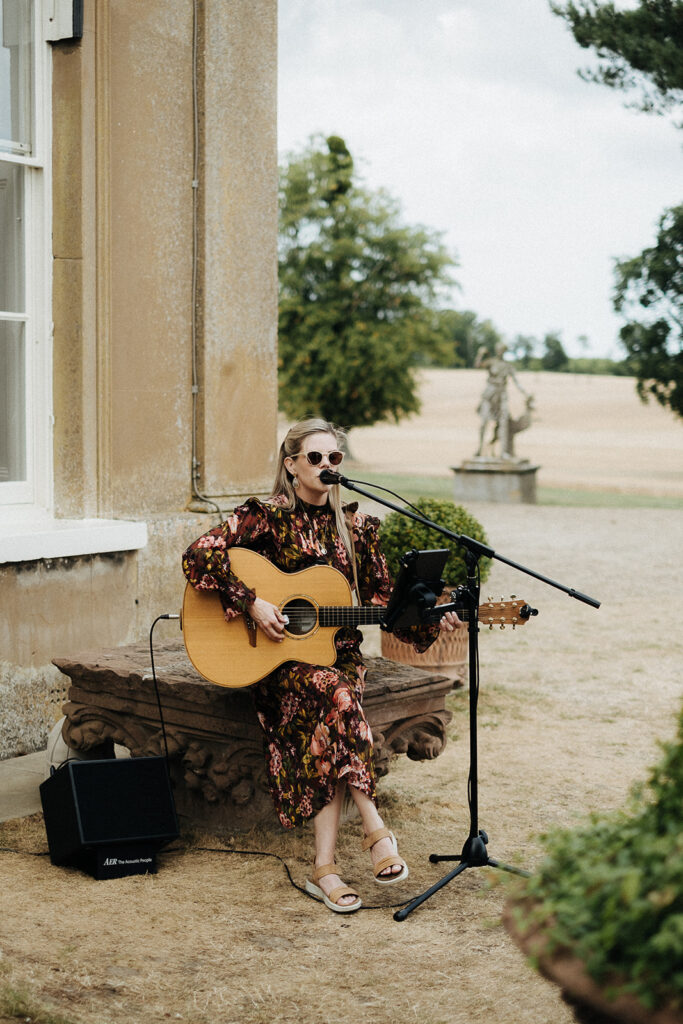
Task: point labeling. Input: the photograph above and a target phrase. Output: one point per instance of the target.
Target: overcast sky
(470, 112)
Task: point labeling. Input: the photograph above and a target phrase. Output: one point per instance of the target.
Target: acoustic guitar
(317, 602)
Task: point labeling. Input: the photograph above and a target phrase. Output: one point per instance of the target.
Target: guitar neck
(341, 615)
(368, 615)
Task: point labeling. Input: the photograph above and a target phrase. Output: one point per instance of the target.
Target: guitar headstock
(513, 612)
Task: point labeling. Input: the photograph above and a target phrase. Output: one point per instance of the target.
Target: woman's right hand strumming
(268, 618)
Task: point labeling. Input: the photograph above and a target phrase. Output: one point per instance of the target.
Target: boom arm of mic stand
(477, 548)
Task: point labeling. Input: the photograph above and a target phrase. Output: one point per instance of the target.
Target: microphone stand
(474, 852)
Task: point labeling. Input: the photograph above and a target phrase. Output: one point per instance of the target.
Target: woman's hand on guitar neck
(269, 619)
(450, 622)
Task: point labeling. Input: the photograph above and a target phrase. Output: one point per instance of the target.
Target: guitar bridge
(252, 629)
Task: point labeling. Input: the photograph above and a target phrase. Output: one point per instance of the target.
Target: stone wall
(123, 263)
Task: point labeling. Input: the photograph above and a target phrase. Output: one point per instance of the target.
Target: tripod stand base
(474, 852)
(474, 855)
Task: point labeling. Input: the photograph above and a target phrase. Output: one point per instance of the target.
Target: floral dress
(316, 733)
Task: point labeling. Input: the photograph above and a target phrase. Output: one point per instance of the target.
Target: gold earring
(295, 481)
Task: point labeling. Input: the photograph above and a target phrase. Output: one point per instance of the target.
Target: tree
(652, 284)
(458, 336)
(522, 350)
(358, 292)
(642, 48)
(554, 356)
(639, 49)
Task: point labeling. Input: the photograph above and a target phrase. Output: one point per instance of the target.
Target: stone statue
(493, 407)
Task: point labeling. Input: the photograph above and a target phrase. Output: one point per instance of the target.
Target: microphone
(328, 476)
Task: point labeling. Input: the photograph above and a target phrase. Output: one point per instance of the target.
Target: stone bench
(215, 744)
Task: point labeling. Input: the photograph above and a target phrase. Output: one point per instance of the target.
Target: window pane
(12, 401)
(16, 57)
(11, 237)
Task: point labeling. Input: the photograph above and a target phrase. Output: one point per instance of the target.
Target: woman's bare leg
(326, 827)
(370, 817)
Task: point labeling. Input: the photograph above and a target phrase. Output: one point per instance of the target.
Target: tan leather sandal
(386, 862)
(331, 901)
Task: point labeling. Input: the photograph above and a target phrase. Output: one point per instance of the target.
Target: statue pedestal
(503, 480)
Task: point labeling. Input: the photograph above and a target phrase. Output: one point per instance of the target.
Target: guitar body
(222, 651)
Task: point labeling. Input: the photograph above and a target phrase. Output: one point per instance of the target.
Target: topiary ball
(399, 534)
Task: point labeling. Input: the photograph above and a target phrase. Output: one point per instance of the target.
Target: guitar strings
(371, 616)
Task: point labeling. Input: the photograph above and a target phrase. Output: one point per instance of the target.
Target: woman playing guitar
(318, 741)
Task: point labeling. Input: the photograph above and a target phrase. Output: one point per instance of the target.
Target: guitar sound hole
(302, 617)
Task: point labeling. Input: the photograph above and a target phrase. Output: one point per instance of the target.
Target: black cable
(245, 853)
(276, 856)
(27, 853)
(168, 615)
(393, 493)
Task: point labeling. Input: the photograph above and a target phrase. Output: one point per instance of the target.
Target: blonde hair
(283, 484)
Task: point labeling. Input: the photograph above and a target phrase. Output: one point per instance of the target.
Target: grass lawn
(412, 486)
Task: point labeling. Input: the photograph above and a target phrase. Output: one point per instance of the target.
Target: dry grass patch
(571, 709)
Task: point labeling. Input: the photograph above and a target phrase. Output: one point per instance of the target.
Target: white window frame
(33, 498)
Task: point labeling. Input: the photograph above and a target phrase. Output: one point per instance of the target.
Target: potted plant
(603, 915)
(398, 535)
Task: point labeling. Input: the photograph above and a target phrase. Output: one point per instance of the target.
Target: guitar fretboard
(342, 615)
(369, 615)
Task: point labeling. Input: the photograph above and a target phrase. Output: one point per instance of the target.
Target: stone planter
(579, 989)
(447, 655)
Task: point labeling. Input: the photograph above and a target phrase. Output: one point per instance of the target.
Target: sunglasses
(315, 458)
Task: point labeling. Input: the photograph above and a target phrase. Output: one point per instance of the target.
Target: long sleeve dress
(316, 733)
